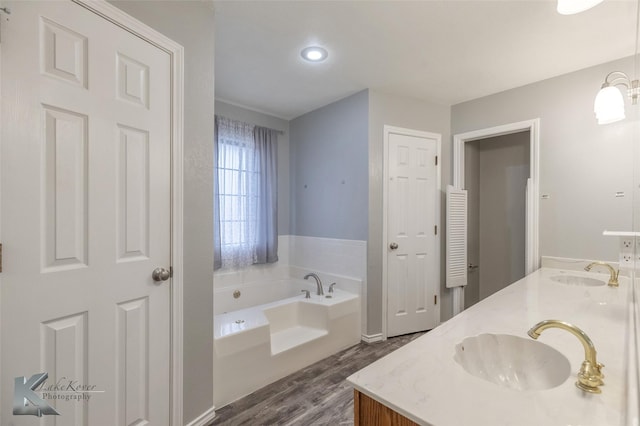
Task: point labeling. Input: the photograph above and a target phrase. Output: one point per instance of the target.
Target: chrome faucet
(613, 279)
(318, 282)
(590, 375)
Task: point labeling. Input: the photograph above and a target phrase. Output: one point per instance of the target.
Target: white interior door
(412, 212)
(85, 215)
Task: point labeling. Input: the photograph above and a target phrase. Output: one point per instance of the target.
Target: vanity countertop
(423, 382)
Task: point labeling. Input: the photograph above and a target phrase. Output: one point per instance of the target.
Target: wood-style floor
(316, 395)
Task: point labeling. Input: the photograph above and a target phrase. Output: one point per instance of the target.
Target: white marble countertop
(423, 382)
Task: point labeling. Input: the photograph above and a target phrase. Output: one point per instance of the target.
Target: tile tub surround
(423, 382)
(334, 260)
(259, 345)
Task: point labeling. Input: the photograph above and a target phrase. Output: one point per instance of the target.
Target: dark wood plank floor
(316, 395)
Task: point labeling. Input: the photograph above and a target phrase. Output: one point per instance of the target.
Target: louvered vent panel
(456, 237)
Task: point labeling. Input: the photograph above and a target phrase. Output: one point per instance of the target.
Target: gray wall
(504, 169)
(412, 114)
(329, 176)
(496, 172)
(582, 164)
(170, 18)
(264, 120)
(472, 185)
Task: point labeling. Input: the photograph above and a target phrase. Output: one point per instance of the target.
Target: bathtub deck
(288, 338)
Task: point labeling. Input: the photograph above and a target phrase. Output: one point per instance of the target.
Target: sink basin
(577, 280)
(512, 362)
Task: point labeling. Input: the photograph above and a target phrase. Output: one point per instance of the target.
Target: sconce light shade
(571, 7)
(609, 105)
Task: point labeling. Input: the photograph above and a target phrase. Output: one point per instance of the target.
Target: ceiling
(445, 52)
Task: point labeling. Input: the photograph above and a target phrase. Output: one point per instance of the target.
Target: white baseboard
(204, 418)
(371, 338)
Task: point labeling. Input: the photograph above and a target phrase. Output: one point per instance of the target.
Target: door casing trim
(533, 219)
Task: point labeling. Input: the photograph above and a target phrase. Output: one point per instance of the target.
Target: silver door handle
(472, 267)
(160, 274)
(393, 246)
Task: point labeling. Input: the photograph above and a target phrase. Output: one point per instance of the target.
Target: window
(246, 200)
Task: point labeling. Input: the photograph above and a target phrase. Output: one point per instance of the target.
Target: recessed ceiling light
(314, 54)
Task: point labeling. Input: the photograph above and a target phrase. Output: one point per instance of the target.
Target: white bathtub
(257, 293)
(257, 345)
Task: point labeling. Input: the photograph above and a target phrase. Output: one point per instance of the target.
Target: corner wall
(169, 18)
(412, 114)
(329, 170)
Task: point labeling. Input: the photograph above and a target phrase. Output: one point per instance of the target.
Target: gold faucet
(590, 375)
(613, 279)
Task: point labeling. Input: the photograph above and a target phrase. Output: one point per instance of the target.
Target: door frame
(532, 246)
(385, 194)
(176, 54)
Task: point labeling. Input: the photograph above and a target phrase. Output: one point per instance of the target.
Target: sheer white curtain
(237, 192)
(246, 194)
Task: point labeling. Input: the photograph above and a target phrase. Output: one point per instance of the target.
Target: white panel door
(85, 216)
(412, 270)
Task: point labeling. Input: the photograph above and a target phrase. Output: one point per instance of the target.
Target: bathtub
(234, 297)
(257, 345)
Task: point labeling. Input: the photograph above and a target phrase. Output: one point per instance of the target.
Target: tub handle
(307, 295)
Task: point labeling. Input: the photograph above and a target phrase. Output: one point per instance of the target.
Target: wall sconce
(609, 103)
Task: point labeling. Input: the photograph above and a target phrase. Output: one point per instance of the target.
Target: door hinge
(435, 299)
(436, 160)
(170, 271)
(435, 230)
(0, 257)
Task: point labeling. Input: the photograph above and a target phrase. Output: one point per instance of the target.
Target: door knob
(160, 274)
(393, 246)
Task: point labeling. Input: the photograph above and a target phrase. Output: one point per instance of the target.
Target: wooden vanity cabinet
(369, 412)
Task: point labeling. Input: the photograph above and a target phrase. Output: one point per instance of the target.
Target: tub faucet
(613, 279)
(590, 375)
(318, 282)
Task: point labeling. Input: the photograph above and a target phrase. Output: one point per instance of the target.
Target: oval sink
(512, 362)
(577, 280)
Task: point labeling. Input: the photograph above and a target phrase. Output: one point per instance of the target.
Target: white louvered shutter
(456, 237)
